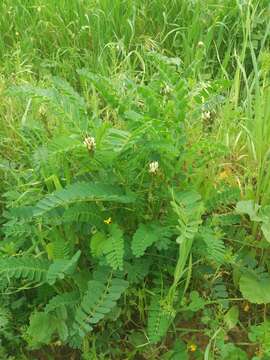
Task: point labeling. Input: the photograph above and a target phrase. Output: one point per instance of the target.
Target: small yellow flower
(108, 221)
(246, 307)
(192, 347)
(227, 172)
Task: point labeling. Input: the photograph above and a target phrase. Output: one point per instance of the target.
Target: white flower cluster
(206, 115)
(90, 143)
(153, 167)
(167, 89)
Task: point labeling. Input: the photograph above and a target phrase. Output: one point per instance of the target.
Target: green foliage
(100, 298)
(159, 320)
(103, 85)
(257, 214)
(179, 351)
(188, 209)
(189, 212)
(196, 302)
(248, 207)
(138, 270)
(259, 334)
(58, 249)
(64, 299)
(32, 269)
(60, 268)
(134, 179)
(223, 198)
(41, 328)
(255, 287)
(144, 237)
(79, 192)
(98, 243)
(81, 212)
(215, 248)
(111, 246)
(5, 323)
(230, 351)
(114, 248)
(231, 318)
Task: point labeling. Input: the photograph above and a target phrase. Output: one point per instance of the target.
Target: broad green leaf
(137, 338)
(255, 288)
(266, 230)
(248, 207)
(231, 317)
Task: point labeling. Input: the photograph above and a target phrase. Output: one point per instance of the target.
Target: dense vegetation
(135, 179)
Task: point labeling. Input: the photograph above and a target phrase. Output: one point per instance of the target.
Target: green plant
(134, 180)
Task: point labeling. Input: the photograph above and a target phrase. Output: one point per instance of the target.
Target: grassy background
(218, 43)
(42, 37)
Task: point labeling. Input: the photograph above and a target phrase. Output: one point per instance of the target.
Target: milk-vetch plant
(134, 179)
